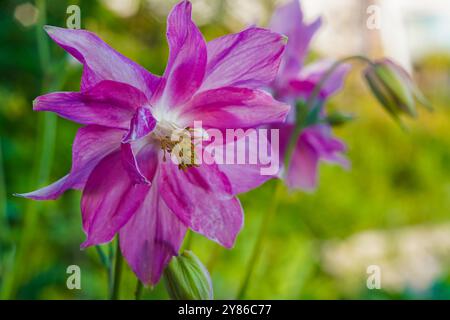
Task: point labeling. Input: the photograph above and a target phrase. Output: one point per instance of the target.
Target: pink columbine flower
(119, 155)
(296, 82)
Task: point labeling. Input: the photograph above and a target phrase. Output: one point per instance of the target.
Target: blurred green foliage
(397, 178)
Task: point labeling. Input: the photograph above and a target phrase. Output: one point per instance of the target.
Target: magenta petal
(288, 20)
(315, 144)
(248, 59)
(187, 59)
(91, 145)
(108, 103)
(141, 124)
(151, 237)
(109, 200)
(245, 177)
(130, 164)
(235, 108)
(302, 173)
(201, 198)
(100, 61)
(329, 148)
(314, 72)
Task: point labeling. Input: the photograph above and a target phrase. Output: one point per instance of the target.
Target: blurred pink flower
(119, 156)
(296, 82)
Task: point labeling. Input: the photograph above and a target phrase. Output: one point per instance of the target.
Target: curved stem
(310, 102)
(257, 249)
(3, 214)
(291, 145)
(138, 291)
(117, 272)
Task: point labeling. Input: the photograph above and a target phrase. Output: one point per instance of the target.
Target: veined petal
(108, 103)
(151, 237)
(201, 198)
(187, 58)
(91, 145)
(109, 200)
(131, 165)
(248, 59)
(141, 124)
(288, 20)
(100, 61)
(110, 197)
(232, 107)
(248, 176)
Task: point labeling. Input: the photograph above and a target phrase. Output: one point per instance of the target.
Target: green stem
(138, 292)
(117, 272)
(107, 263)
(311, 101)
(262, 233)
(3, 217)
(41, 171)
(310, 104)
(187, 244)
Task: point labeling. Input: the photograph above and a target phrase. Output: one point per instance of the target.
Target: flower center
(177, 142)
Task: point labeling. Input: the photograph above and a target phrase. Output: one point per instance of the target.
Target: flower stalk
(46, 147)
(262, 233)
(115, 294)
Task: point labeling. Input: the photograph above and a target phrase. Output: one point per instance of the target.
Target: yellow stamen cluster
(180, 145)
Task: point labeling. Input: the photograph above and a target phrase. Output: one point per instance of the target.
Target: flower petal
(288, 20)
(100, 61)
(91, 145)
(201, 198)
(109, 200)
(131, 165)
(248, 59)
(141, 124)
(314, 144)
(310, 76)
(258, 156)
(232, 107)
(151, 237)
(187, 59)
(302, 172)
(108, 103)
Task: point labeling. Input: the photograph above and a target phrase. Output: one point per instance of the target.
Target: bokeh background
(392, 209)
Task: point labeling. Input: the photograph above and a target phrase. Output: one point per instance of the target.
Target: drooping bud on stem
(394, 88)
(187, 279)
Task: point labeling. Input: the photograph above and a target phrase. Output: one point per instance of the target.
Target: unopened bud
(187, 279)
(394, 88)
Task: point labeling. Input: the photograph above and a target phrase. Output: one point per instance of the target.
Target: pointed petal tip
(50, 29)
(30, 196)
(85, 244)
(35, 104)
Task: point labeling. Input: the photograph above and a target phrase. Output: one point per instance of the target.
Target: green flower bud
(394, 88)
(187, 279)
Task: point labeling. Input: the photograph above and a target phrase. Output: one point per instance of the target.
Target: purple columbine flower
(295, 82)
(119, 155)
